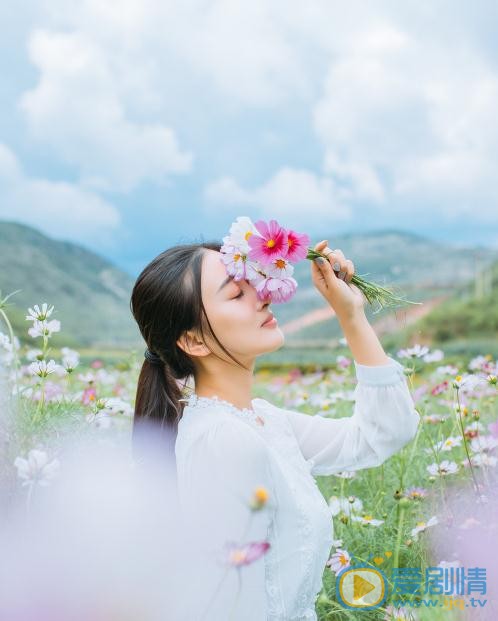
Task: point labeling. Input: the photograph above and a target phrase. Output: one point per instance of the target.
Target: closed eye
(238, 296)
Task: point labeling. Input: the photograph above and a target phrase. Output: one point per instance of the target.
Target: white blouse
(224, 453)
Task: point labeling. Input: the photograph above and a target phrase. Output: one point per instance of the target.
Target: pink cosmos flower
(439, 388)
(278, 289)
(89, 395)
(270, 244)
(298, 246)
(245, 554)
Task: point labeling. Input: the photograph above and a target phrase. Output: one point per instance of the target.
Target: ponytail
(158, 410)
(166, 301)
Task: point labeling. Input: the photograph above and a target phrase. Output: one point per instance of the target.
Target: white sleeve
(217, 478)
(383, 421)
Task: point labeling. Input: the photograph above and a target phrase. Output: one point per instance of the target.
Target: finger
(350, 270)
(319, 247)
(337, 261)
(327, 273)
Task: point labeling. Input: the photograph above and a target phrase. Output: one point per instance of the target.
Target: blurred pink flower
(245, 554)
(89, 395)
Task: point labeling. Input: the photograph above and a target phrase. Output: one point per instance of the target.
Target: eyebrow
(224, 283)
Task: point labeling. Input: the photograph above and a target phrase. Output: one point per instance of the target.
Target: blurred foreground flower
(36, 469)
(238, 555)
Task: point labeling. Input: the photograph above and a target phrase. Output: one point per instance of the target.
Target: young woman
(202, 326)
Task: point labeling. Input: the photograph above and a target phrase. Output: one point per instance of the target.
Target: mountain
(90, 294)
(419, 268)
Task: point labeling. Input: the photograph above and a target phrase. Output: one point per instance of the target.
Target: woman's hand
(345, 298)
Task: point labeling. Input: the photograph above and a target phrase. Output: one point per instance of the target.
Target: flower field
(424, 518)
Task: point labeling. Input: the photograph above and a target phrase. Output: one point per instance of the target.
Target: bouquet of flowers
(264, 254)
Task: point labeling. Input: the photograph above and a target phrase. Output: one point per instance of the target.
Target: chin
(277, 341)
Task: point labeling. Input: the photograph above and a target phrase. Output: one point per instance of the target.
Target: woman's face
(235, 312)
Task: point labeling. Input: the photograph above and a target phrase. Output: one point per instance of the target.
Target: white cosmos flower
(33, 354)
(115, 405)
(36, 469)
(39, 315)
(446, 370)
(448, 444)
(349, 505)
(417, 351)
(421, 526)
(434, 356)
(7, 348)
(87, 377)
(239, 233)
(279, 268)
(70, 359)
(42, 368)
(367, 519)
(481, 459)
(339, 560)
(483, 443)
(442, 469)
(47, 328)
(346, 474)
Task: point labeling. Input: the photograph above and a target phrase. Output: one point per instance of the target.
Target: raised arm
(383, 421)
(218, 472)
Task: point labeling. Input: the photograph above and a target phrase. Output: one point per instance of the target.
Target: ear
(191, 344)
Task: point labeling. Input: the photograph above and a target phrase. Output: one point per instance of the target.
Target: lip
(271, 320)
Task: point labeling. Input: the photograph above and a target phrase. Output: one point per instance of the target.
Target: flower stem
(373, 292)
(465, 442)
(401, 519)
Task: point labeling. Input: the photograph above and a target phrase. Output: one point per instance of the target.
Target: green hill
(417, 267)
(468, 320)
(91, 296)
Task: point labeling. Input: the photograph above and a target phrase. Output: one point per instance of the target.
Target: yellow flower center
(261, 494)
(270, 243)
(280, 263)
(343, 560)
(237, 556)
(247, 235)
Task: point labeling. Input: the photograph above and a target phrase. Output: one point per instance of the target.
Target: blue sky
(130, 126)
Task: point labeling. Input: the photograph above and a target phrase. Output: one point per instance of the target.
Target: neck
(227, 381)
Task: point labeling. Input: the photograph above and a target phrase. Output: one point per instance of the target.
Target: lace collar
(197, 401)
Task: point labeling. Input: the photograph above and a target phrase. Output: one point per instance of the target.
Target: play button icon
(361, 587)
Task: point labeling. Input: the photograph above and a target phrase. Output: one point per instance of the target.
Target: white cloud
(408, 118)
(58, 208)
(290, 193)
(78, 109)
(401, 98)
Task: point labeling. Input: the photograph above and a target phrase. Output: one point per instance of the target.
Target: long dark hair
(166, 301)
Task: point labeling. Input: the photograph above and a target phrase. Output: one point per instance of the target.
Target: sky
(128, 126)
